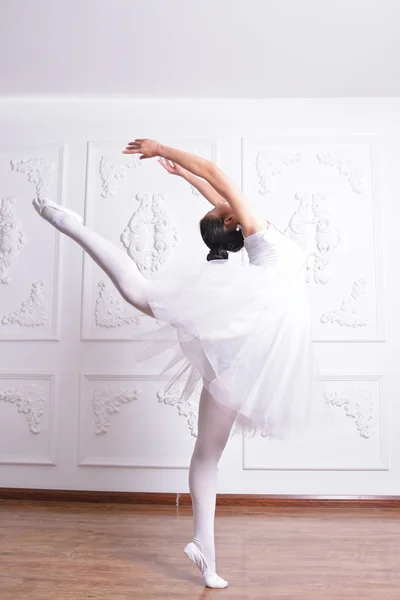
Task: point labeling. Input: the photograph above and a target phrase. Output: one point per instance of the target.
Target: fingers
(138, 146)
(134, 147)
(137, 142)
(164, 163)
(169, 165)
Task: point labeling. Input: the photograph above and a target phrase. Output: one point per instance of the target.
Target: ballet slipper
(211, 580)
(40, 205)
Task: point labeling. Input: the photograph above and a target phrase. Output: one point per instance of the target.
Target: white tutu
(243, 332)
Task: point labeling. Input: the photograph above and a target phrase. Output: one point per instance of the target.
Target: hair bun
(217, 254)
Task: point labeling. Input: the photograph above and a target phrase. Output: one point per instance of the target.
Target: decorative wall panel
(351, 435)
(150, 215)
(29, 247)
(124, 421)
(322, 193)
(28, 423)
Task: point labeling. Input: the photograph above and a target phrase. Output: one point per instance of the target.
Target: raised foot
(211, 580)
(39, 204)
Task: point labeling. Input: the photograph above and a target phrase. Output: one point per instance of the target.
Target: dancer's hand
(147, 148)
(173, 168)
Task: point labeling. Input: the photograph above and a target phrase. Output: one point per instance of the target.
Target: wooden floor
(89, 551)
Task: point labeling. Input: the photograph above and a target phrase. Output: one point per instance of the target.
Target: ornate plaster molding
(187, 408)
(311, 227)
(40, 172)
(270, 164)
(357, 403)
(348, 163)
(11, 237)
(353, 311)
(149, 236)
(107, 402)
(109, 311)
(112, 168)
(32, 312)
(29, 401)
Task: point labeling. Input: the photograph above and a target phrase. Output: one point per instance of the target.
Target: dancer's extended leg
(119, 267)
(214, 428)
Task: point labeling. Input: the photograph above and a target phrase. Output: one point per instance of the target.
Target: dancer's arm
(201, 185)
(244, 211)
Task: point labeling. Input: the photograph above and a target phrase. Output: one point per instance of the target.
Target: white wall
(327, 168)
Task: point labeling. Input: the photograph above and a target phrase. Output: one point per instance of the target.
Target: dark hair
(218, 238)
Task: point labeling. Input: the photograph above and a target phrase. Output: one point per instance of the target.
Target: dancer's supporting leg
(119, 267)
(214, 426)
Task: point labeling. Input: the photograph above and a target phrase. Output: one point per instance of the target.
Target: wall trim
(172, 499)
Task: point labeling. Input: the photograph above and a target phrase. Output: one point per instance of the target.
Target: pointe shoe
(211, 580)
(40, 207)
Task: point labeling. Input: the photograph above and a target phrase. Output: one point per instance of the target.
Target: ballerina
(244, 330)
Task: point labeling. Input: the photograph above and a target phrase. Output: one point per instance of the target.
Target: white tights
(214, 423)
(115, 262)
(214, 426)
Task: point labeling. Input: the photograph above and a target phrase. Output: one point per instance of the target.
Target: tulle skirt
(242, 332)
